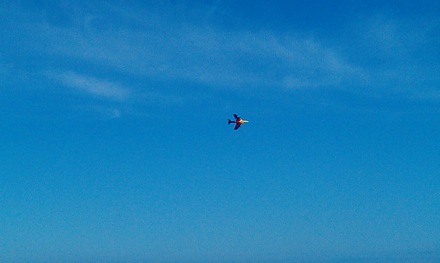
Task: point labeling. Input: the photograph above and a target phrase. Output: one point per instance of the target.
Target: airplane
(238, 121)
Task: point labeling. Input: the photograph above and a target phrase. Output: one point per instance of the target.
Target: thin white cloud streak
(93, 86)
(209, 56)
(162, 48)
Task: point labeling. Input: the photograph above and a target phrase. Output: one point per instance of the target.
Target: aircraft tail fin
(229, 121)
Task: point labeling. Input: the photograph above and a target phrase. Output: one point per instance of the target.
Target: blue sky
(115, 145)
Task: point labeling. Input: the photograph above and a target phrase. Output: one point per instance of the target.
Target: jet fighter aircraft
(238, 121)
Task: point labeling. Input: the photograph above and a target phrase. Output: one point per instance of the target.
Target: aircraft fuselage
(238, 121)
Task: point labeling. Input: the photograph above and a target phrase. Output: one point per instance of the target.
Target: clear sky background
(114, 143)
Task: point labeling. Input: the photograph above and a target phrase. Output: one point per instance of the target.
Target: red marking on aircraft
(238, 121)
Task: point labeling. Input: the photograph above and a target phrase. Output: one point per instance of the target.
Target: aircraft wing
(237, 125)
(236, 117)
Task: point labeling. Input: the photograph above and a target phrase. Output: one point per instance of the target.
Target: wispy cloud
(208, 55)
(143, 43)
(380, 54)
(93, 86)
